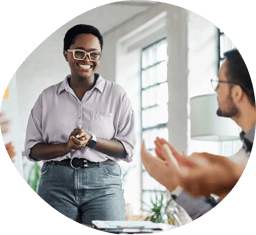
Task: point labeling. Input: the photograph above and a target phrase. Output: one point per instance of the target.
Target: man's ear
(65, 55)
(237, 93)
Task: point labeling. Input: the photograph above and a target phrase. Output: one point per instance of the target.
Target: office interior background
(162, 55)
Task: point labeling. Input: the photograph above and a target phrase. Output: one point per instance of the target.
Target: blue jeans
(84, 194)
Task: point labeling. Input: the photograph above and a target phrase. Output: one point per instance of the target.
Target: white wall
(44, 67)
(177, 77)
(202, 66)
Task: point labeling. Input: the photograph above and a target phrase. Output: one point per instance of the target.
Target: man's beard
(231, 110)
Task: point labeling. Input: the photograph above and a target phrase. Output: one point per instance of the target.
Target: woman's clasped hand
(78, 139)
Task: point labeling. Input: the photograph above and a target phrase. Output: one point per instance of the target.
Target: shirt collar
(100, 83)
(248, 139)
(249, 136)
(64, 85)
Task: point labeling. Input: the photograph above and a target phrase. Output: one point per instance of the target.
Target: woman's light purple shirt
(104, 111)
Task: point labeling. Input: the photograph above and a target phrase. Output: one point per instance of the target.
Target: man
(203, 174)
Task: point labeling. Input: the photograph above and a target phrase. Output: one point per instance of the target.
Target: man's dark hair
(71, 34)
(238, 73)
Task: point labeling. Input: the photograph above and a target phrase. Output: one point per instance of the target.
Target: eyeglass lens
(80, 55)
(215, 84)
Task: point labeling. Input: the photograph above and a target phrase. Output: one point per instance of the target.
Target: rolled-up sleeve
(34, 130)
(125, 133)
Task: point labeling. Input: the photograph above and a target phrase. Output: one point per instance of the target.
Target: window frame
(157, 126)
(234, 145)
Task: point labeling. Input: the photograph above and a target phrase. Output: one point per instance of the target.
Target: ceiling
(108, 17)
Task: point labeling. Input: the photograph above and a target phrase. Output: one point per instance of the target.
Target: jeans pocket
(112, 170)
(45, 168)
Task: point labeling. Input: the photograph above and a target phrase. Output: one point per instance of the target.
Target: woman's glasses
(81, 54)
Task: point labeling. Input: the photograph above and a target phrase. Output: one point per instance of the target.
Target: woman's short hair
(238, 73)
(71, 34)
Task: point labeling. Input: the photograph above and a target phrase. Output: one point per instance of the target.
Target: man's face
(227, 107)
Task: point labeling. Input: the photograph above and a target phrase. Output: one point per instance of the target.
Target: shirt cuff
(128, 150)
(28, 151)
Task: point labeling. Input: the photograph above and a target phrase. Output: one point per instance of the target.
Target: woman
(80, 128)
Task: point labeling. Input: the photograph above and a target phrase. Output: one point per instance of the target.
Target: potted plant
(158, 208)
(34, 176)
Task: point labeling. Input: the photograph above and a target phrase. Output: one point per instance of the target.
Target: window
(227, 148)
(154, 108)
(224, 44)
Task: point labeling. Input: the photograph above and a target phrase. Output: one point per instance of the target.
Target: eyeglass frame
(86, 53)
(212, 80)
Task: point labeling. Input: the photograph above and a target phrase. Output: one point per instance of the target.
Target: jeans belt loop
(85, 163)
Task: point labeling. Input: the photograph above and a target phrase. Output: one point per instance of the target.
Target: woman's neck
(77, 82)
(81, 85)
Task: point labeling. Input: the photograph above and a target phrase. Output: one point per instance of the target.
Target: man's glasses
(216, 83)
(81, 54)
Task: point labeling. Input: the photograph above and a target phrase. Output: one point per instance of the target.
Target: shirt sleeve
(34, 129)
(195, 207)
(125, 132)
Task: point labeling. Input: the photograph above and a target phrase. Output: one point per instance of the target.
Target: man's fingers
(158, 150)
(143, 146)
(169, 156)
(146, 156)
(161, 141)
(182, 160)
(159, 154)
(174, 151)
(157, 144)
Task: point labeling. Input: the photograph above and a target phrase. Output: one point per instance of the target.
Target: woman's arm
(113, 148)
(42, 151)
(78, 139)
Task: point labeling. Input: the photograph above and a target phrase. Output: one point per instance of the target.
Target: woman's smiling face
(83, 68)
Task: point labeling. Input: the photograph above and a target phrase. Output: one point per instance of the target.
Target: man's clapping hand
(199, 174)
